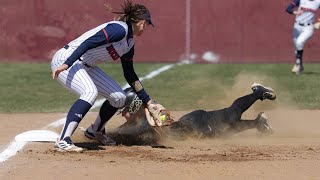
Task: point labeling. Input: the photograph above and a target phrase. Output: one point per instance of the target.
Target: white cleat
(66, 145)
(297, 69)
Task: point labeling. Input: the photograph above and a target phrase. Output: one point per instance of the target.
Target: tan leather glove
(156, 114)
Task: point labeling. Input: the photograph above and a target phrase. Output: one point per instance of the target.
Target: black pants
(218, 122)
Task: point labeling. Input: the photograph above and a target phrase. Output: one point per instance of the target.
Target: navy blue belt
(304, 24)
(87, 65)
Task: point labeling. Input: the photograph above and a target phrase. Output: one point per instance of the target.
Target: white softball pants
(301, 34)
(88, 82)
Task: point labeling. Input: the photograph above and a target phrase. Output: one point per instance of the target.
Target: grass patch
(28, 87)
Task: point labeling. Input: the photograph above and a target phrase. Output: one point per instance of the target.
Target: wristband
(144, 96)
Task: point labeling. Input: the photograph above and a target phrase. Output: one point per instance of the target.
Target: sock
(106, 112)
(78, 110)
(299, 55)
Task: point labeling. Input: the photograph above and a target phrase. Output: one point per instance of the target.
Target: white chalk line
(11, 150)
(16, 146)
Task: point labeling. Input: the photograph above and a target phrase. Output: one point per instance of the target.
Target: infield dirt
(292, 152)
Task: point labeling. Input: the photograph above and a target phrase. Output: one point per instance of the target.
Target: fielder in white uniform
(75, 67)
(303, 27)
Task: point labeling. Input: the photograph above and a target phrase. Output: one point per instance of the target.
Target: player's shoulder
(121, 23)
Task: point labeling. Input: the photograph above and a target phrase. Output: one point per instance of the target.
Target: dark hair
(133, 12)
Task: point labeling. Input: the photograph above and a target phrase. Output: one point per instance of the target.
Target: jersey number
(113, 53)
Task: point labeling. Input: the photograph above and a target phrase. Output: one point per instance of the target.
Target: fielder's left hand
(156, 114)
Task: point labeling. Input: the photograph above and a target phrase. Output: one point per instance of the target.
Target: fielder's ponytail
(132, 12)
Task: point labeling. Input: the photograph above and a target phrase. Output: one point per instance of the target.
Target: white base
(37, 136)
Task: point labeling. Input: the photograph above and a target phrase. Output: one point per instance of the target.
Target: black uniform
(197, 123)
(218, 122)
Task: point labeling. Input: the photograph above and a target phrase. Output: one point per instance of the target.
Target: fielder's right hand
(57, 71)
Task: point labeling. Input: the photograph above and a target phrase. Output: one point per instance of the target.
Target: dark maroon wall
(239, 31)
(248, 31)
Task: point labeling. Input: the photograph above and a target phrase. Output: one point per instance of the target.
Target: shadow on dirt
(311, 73)
(125, 140)
(91, 146)
(129, 140)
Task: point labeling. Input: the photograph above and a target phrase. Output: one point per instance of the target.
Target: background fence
(234, 31)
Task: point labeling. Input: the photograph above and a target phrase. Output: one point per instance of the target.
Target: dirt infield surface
(292, 152)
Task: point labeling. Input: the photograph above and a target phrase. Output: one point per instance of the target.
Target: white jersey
(81, 75)
(85, 52)
(104, 53)
(309, 8)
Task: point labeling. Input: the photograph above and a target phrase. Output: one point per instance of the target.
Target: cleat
(267, 92)
(262, 125)
(66, 145)
(297, 69)
(99, 136)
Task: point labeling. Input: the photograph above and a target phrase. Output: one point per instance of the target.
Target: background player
(197, 123)
(303, 27)
(75, 67)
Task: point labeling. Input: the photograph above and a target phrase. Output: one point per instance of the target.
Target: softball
(163, 118)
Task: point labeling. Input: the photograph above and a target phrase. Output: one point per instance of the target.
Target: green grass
(211, 86)
(27, 87)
